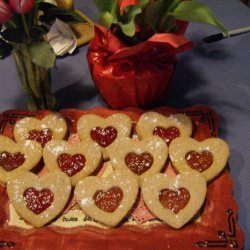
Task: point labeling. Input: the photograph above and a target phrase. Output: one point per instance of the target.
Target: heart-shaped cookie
(208, 157)
(174, 199)
(51, 126)
(141, 158)
(168, 128)
(107, 200)
(77, 161)
(18, 156)
(104, 131)
(39, 200)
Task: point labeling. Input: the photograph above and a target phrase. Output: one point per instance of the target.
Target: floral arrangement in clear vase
(23, 28)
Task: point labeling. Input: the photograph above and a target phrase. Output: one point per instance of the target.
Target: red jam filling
(38, 201)
(167, 134)
(41, 137)
(103, 136)
(71, 165)
(108, 200)
(174, 200)
(9, 161)
(199, 161)
(139, 163)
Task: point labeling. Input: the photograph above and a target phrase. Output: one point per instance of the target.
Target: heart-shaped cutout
(107, 200)
(139, 163)
(103, 136)
(9, 161)
(77, 160)
(42, 136)
(167, 134)
(166, 127)
(51, 126)
(38, 200)
(174, 199)
(141, 158)
(107, 132)
(17, 156)
(71, 164)
(199, 161)
(209, 157)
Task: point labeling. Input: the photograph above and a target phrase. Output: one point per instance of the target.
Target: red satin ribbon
(136, 75)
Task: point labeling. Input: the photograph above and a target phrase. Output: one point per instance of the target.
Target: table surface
(214, 74)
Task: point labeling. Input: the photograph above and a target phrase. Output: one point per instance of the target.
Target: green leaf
(68, 16)
(144, 2)
(196, 12)
(32, 15)
(153, 14)
(37, 31)
(168, 25)
(156, 15)
(106, 19)
(46, 7)
(5, 49)
(107, 5)
(128, 26)
(47, 20)
(13, 35)
(173, 4)
(42, 54)
(109, 12)
(127, 21)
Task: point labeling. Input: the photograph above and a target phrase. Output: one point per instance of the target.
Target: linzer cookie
(107, 200)
(208, 157)
(213, 226)
(51, 126)
(39, 200)
(77, 161)
(141, 158)
(174, 199)
(168, 128)
(104, 131)
(18, 156)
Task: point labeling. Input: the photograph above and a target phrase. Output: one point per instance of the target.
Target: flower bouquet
(132, 57)
(23, 28)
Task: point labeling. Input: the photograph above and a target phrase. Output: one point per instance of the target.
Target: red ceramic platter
(217, 227)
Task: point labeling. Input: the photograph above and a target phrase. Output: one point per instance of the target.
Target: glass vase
(35, 80)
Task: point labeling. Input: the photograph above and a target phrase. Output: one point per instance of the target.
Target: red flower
(124, 3)
(22, 6)
(5, 12)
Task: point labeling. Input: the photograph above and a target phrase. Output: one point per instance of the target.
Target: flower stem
(35, 13)
(30, 71)
(12, 23)
(25, 25)
(21, 68)
(40, 74)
